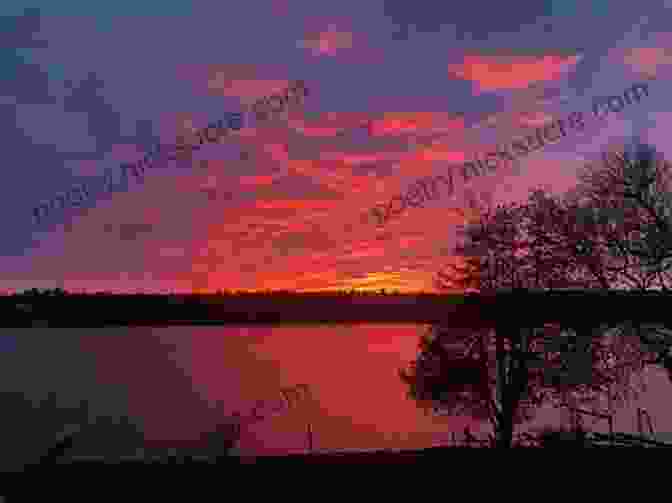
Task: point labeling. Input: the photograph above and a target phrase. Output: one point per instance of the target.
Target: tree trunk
(506, 427)
(511, 381)
(505, 420)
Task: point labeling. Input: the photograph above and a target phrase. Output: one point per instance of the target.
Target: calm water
(176, 383)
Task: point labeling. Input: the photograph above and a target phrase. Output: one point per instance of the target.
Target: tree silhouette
(536, 245)
(613, 231)
(625, 207)
(504, 375)
(626, 211)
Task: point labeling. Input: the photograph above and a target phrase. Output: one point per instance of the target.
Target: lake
(176, 383)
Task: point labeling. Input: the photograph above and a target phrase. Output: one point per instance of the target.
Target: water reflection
(504, 375)
(179, 388)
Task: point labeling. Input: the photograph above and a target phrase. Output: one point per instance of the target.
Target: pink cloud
(327, 42)
(647, 60)
(241, 81)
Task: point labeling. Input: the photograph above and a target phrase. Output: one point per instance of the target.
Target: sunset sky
(398, 90)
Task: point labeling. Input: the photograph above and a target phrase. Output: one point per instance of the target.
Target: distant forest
(57, 308)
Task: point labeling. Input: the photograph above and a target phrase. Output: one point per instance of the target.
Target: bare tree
(537, 245)
(486, 260)
(625, 207)
(613, 231)
(626, 211)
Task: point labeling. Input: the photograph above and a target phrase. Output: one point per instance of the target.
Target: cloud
(327, 42)
(241, 81)
(396, 123)
(493, 73)
(647, 60)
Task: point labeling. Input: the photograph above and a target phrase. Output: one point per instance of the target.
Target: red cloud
(405, 122)
(491, 73)
(256, 180)
(328, 123)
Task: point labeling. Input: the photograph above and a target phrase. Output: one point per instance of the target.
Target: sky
(397, 91)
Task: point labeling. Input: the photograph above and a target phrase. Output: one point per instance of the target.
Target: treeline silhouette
(59, 308)
(49, 309)
(225, 292)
